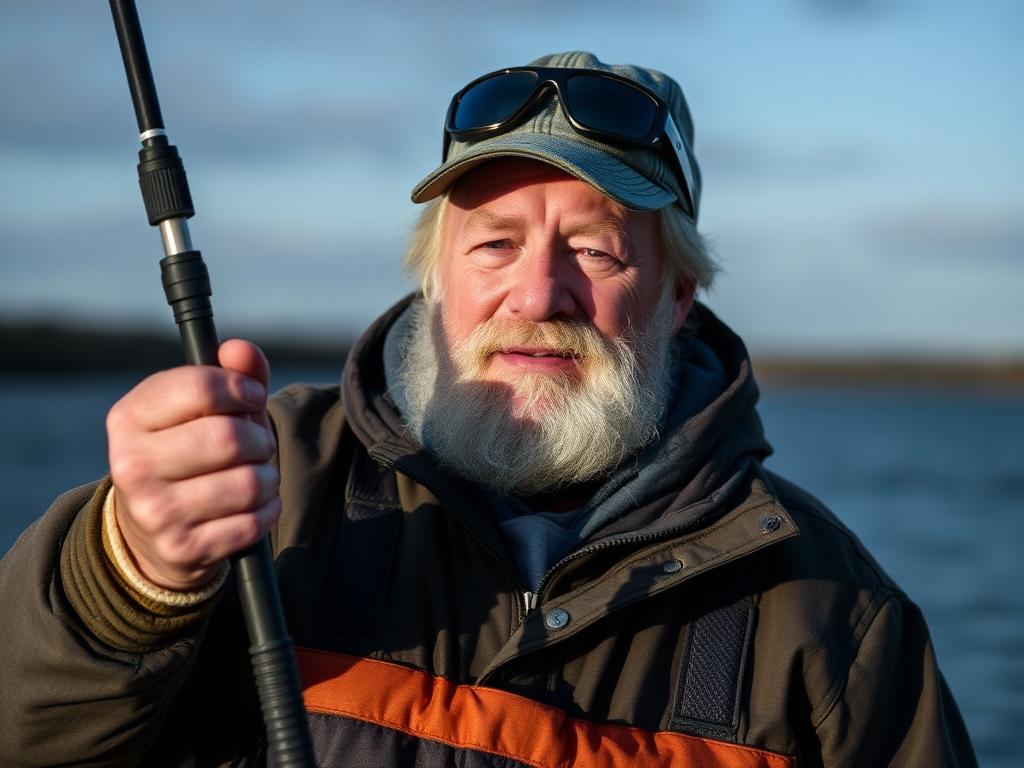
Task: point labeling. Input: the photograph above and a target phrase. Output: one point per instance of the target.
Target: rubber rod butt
(277, 680)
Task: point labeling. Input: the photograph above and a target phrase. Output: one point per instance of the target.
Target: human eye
(492, 253)
(596, 260)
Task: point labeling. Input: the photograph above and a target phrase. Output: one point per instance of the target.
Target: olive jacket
(725, 619)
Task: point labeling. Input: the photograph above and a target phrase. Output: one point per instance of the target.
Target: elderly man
(530, 528)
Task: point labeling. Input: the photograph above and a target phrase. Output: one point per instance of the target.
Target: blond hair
(424, 251)
(687, 257)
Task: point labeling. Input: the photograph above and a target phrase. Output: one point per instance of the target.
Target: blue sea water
(932, 482)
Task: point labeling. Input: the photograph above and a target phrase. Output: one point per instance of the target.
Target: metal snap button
(672, 566)
(556, 618)
(770, 524)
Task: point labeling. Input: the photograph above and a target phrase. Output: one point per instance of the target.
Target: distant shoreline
(1004, 375)
(45, 348)
(60, 348)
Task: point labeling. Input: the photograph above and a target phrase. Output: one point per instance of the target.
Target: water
(932, 483)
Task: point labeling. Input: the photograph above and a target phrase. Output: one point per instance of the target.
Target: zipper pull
(529, 601)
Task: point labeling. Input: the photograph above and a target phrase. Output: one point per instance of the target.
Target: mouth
(537, 352)
(536, 359)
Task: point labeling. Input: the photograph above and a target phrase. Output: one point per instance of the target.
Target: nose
(541, 285)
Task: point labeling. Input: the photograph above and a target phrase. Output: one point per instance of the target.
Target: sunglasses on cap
(601, 105)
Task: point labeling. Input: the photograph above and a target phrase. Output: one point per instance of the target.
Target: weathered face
(526, 242)
(548, 358)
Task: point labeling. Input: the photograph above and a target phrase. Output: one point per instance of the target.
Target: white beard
(541, 431)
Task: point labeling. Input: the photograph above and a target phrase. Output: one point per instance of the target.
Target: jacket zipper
(529, 600)
(529, 603)
(532, 599)
(601, 545)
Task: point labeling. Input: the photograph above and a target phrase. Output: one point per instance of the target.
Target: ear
(682, 302)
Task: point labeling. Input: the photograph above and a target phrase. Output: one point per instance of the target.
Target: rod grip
(187, 288)
(273, 661)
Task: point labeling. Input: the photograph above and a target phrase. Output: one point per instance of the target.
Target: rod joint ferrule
(164, 184)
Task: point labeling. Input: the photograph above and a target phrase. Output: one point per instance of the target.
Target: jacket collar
(682, 479)
(707, 506)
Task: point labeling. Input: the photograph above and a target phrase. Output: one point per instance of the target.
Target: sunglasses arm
(683, 156)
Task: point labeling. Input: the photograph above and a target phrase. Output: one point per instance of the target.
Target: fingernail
(269, 472)
(253, 391)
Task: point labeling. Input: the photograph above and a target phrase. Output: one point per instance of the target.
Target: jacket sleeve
(86, 679)
(894, 708)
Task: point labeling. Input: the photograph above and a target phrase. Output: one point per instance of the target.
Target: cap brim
(590, 164)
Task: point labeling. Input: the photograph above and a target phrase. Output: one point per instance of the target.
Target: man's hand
(189, 453)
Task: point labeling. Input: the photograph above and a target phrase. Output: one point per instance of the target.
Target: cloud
(259, 84)
(843, 10)
(258, 79)
(951, 236)
(731, 156)
(58, 110)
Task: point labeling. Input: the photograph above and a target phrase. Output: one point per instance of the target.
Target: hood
(711, 436)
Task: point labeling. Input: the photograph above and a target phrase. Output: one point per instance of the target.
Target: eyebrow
(611, 226)
(481, 218)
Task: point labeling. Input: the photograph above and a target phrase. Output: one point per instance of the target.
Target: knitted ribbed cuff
(146, 593)
(111, 604)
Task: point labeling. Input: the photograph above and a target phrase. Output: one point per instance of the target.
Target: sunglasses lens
(493, 100)
(610, 106)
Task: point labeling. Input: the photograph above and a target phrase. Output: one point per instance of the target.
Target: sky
(863, 160)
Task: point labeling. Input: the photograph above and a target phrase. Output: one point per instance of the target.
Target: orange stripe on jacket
(501, 723)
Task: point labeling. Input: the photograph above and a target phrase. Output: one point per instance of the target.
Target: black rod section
(136, 65)
(187, 288)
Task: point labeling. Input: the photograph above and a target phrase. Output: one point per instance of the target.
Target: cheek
(468, 299)
(617, 308)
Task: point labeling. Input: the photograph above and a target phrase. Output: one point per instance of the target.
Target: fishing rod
(186, 283)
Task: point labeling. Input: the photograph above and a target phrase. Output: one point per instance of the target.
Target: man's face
(526, 244)
(548, 358)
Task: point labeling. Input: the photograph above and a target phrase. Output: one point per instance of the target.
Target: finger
(169, 516)
(186, 558)
(180, 395)
(245, 357)
(222, 537)
(209, 444)
(222, 494)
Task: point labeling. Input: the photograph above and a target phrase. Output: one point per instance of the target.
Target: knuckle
(180, 551)
(271, 442)
(121, 419)
(130, 469)
(151, 514)
(116, 418)
(223, 438)
(200, 384)
(273, 512)
(249, 529)
(249, 487)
